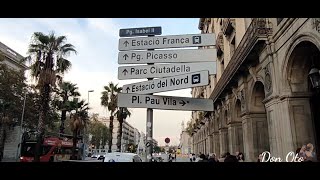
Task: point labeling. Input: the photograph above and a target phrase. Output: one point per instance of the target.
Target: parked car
(121, 157)
(99, 156)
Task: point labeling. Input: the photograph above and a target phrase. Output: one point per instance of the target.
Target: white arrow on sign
(167, 56)
(173, 41)
(194, 79)
(164, 70)
(164, 102)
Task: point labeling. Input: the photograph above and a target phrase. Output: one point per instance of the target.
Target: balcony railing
(219, 44)
(228, 26)
(256, 33)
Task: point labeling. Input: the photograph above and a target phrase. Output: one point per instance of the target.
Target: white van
(121, 157)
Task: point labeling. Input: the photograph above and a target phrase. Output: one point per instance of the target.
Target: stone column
(235, 137)
(216, 143)
(255, 135)
(290, 125)
(209, 144)
(223, 136)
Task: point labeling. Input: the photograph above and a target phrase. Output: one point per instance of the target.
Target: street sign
(175, 41)
(167, 56)
(164, 102)
(163, 70)
(143, 31)
(167, 140)
(194, 79)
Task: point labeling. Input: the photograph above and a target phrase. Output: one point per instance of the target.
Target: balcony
(219, 44)
(228, 26)
(246, 53)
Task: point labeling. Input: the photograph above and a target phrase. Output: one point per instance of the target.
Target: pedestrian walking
(190, 157)
(212, 158)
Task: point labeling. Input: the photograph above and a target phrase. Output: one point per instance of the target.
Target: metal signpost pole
(149, 128)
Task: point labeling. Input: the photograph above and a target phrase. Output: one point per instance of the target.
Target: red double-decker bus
(53, 149)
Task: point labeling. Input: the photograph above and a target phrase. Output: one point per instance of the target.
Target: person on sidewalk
(203, 158)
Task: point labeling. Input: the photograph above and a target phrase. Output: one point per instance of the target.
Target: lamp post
(85, 132)
(21, 122)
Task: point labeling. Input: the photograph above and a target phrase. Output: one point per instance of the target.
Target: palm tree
(122, 114)
(66, 90)
(79, 120)
(109, 99)
(47, 55)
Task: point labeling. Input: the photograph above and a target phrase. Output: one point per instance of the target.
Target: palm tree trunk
(119, 134)
(110, 130)
(74, 146)
(63, 119)
(45, 98)
(63, 113)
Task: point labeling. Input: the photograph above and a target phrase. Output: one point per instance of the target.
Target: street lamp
(314, 76)
(21, 122)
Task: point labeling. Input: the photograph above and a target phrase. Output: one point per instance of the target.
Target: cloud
(108, 26)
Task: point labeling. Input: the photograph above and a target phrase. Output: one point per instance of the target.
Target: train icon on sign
(195, 78)
(196, 39)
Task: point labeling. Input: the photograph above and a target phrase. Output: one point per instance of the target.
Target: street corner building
(266, 90)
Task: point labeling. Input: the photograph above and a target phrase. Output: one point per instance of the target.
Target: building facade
(141, 145)
(185, 143)
(264, 98)
(136, 138)
(11, 58)
(128, 133)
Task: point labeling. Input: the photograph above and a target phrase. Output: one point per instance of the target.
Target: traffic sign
(143, 31)
(167, 56)
(194, 79)
(164, 102)
(167, 140)
(173, 41)
(163, 70)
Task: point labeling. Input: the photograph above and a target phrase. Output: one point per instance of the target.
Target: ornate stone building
(264, 99)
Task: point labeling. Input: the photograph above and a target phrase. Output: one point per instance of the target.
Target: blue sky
(96, 40)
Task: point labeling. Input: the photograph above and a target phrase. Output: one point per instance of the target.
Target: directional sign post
(194, 79)
(175, 41)
(167, 56)
(164, 70)
(143, 31)
(164, 102)
(190, 68)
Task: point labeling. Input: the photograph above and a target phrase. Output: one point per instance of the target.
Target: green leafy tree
(100, 133)
(157, 149)
(48, 57)
(109, 100)
(12, 85)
